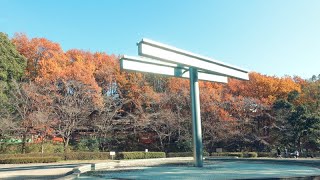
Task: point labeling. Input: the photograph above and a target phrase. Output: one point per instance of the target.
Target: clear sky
(273, 37)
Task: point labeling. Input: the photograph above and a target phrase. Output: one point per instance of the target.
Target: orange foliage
(47, 64)
(179, 85)
(265, 88)
(36, 51)
(134, 88)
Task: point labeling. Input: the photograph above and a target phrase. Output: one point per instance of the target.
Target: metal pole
(196, 120)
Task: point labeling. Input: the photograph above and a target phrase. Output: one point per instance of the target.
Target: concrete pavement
(40, 170)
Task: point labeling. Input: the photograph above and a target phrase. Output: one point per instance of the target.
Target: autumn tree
(73, 102)
(164, 125)
(311, 95)
(23, 105)
(265, 88)
(37, 51)
(106, 121)
(8, 127)
(83, 89)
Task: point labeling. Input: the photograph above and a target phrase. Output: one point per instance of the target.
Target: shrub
(219, 154)
(155, 155)
(24, 160)
(265, 154)
(235, 154)
(232, 154)
(180, 154)
(251, 154)
(91, 145)
(140, 155)
(184, 154)
(53, 148)
(87, 155)
(81, 146)
(36, 155)
(68, 156)
(7, 148)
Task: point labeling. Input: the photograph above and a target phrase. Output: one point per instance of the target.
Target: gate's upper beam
(140, 64)
(166, 53)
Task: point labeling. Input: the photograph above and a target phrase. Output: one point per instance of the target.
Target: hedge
(24, 160)
(232, 154)
(265, 154)
(184, 154)
(31, 148)
(180, 154)
(4, 156)
(88, 155)
(68, 156)
(235, 154)
(250, 155)
(140, 155)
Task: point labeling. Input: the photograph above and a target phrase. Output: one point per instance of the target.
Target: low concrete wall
(123, 163)
(303, 161)
(77, 171)
(158, 161)
(107, 165)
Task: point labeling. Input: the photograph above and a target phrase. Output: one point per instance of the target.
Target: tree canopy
(78, 94)
(12, 65)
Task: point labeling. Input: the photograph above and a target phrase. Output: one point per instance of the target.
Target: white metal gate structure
(158, 58)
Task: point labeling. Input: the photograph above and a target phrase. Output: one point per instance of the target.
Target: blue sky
(273, 37)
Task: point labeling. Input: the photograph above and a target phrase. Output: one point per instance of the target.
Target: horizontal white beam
(130, 63)
(152, 49)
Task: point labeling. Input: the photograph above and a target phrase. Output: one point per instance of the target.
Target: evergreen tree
(12, 66)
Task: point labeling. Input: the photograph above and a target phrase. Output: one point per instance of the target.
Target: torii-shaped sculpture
(155, 57)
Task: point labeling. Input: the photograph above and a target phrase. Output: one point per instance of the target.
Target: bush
(184, 154)
(68, 156)
(32, 155)
(7, 148)
(88, 144)
(140, 155)
(30, 148)
(251, 155)
(219, 154)
(24, 160)
(180, 154)
(232, 154)
(155, 155)
(87, 155)
(265, 154)
(235, 154)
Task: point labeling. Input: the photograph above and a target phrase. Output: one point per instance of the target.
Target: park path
(40, 170)
(60, 169)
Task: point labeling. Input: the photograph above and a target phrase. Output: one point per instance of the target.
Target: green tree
(296, 126)
(12, 66)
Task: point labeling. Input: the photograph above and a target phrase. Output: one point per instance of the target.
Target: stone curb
(304, 162)
(75, 173)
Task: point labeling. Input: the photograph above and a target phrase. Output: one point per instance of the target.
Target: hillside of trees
(83, 99)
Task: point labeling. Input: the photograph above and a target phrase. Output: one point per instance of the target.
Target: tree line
(46, 92)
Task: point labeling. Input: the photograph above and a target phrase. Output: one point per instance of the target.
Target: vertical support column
(196, 120)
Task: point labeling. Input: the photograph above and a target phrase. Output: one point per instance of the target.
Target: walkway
(40, 170)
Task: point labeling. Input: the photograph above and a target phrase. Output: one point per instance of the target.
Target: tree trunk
(24, 139)
(42, 146)
(65, 147)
